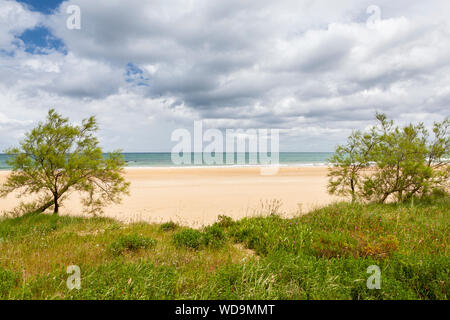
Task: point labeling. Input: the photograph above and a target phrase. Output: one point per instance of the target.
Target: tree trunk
(55, 201)
(49, 203)
(383, 199)
(353, 190)
(45, 206)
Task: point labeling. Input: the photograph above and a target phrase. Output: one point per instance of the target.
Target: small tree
(347, 164)
(438, 157)
(57, 158)
(405, 162)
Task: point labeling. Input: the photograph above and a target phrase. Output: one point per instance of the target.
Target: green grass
(130, 242)
(321, 255)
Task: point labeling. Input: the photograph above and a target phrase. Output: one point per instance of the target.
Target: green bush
(131, 242)
(168, 226)
(189, 238)
(224, 221)
(434, 196)
(214, 236)
(333, 245)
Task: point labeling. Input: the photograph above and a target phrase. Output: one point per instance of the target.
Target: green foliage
(224, 221)
(322, 255)
(112, 280)
(168, 226)
(31, 225)
(214, 236)
(131, 242)
(56, 158)
(118, 280)
(348, 162)
(391, 162)
(246, 281)
(189, 238)
(8, 281)
(262, 234)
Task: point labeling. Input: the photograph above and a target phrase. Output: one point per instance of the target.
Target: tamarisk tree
(348, 162)
(57, 158)
(392, 162)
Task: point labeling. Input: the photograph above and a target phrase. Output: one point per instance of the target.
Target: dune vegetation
(321, 255)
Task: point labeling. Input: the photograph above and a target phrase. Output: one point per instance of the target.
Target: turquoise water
(164, 159)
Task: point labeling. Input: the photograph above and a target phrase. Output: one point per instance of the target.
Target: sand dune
(196, 196)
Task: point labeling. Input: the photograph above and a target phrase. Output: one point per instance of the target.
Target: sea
(164, 159)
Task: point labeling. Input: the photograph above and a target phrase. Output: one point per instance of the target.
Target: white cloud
(14, 19)
(313, 69)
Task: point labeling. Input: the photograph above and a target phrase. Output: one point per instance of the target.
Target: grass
(322, 255)
(130, 242)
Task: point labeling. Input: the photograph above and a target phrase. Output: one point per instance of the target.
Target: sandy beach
(196, 196)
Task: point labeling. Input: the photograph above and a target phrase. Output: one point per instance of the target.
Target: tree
(57, 158)
(406, 162)
(439, 155)
(348, 162)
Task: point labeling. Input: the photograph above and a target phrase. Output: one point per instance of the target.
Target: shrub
(189, 238)
(130, 242)
(334, 245)
(382, 248)
(169, 226)
(224, 221)
(434, 196)
(214, 236)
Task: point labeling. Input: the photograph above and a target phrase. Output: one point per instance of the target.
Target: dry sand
(196, 196)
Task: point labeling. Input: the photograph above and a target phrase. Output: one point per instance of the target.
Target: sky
(315, 70)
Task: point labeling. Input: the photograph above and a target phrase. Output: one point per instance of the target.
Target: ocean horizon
(164, 159)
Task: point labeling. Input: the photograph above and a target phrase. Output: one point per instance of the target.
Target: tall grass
(321, 255)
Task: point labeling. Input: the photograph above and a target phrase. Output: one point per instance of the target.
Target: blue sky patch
(40, 40)
(43, 6)
(133, 74)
